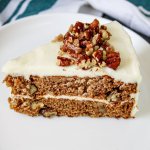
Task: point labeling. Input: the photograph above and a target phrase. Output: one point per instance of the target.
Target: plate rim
(14, 22)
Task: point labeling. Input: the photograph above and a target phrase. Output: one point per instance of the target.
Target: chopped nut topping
(98, 55)
(113, 60)
(87, 46)
(94, 24)
(104, 55)
(63, 61)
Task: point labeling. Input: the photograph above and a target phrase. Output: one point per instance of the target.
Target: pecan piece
(96, 39)
(63, 61)
(73, 54)
(74, 48)
(79, 26)
(68, 37)
(66, 47)
(85, 62)
(98, 55)
(105, 35)
(103, 27)
(89, 51)
(94, 24)
(113, 60)
(83, 43)
(88, 34)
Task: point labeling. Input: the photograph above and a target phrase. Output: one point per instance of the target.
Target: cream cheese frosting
(42, 60)
(78, 98)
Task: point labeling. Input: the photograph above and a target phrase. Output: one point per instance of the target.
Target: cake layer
(103, 87)
(71, 107)
(42, 61)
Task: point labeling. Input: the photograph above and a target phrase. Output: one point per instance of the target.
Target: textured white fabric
(7, 12)
(125, 12)
(22, 9)
(121, 10)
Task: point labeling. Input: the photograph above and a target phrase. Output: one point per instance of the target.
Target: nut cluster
(86, 45)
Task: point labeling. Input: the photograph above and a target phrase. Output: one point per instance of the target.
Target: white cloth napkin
(121, 10)
(124, 11)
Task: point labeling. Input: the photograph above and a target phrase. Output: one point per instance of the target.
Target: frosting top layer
(42, 60)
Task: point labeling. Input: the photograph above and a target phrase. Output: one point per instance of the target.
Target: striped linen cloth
(133, 13)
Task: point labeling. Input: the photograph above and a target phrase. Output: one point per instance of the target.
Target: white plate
(21, 132)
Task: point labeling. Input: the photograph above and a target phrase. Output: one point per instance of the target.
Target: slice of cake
(90, 71)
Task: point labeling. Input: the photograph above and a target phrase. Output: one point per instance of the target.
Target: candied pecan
(67, 36)
(105, 45)
(98, 55)
(70, 47)
(81, 36)
(104, 55)
(96, 47)
(103, 27)
(73, 54)
(97, 39)
(70, 28)
(79, 26)
(76, 42)
(94, 24)
(113, 60)
(87, 46)
(88, 34)
(63, 61)
(89, 51)
(70, 39)
(74, 48)
(64, 48)
(82, 43)
(86, 62)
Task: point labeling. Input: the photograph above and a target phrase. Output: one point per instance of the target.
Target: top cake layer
(42, 61)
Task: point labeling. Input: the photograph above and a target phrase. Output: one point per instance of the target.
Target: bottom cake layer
(71, 108)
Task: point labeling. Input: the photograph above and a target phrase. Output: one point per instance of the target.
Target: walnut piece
(37, 105)
(32, 89)
(46, 112)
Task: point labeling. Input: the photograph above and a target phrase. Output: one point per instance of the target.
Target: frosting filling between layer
(133, 112)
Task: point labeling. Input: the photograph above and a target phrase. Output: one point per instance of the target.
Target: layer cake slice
(92, 70)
